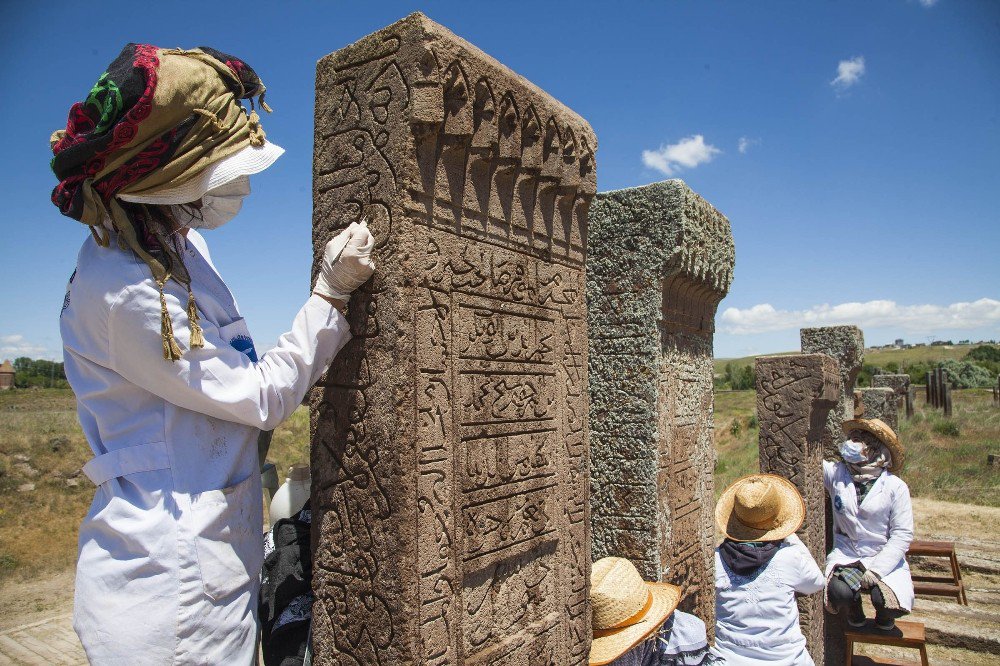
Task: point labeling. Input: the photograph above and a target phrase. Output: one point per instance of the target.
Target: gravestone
(846, 345)
(881, 403)
(449, 439)
(794, 397)
(900, 385)
(660, 258)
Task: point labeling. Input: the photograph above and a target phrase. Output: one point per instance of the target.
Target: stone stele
(449, 439)
(881, 403)
(660, 258)
(794, 397)
(900, 385)
(846, 344)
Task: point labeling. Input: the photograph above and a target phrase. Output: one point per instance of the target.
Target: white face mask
(854, 452)
(218, 206)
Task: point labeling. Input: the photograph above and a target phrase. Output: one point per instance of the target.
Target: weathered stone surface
(449, 439)
(794, 397)
(900, 384)
(846, 344)
(881, 403)
(660, 258)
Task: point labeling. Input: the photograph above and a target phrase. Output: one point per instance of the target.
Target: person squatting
(173, 396)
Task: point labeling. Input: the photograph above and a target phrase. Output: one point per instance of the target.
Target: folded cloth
(285, 602)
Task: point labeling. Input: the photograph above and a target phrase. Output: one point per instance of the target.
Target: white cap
(246, 162)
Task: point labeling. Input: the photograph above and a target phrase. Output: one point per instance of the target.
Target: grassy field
(879, 357)
(945, 458)
(41, 444)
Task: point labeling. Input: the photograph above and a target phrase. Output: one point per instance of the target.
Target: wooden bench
(905, 634)
(942, 586)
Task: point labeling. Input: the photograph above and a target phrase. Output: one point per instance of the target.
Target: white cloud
(764, 317)
(746, 143)
(687, 153)
(849, 72)
(13, 346)
(928, 3)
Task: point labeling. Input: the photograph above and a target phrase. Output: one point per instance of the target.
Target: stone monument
(881, 403)
(660, 258)
(449, 439)
(794, 397)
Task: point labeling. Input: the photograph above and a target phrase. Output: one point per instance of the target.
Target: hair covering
(155, 120)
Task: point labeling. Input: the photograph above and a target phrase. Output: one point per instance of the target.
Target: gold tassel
(263, 104)
(171, 352)
(213, 118)
(256, 131)
(197, 336)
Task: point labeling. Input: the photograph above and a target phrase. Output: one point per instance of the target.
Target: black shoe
(856, 617)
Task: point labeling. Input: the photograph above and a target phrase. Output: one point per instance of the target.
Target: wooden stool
(945, 586)
(905, 634)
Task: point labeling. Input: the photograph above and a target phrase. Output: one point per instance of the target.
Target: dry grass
(38, 528)
(946, 458)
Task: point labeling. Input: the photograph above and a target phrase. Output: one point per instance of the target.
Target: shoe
(856, 617)
(857, 623)
(885, 627)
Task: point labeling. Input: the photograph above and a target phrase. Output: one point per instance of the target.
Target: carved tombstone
(881, 403)
(795, 395)
(900, 385)
(846, 345)
(449, 439)
(660, 258)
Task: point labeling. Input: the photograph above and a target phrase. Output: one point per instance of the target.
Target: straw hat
(760, 507)
(627, 610)
(885, 434)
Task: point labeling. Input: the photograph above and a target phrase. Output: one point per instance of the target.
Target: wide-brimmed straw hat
(885, 434)
(626, 609)
(760, 507)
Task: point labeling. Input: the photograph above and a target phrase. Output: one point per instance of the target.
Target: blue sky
(854, 146)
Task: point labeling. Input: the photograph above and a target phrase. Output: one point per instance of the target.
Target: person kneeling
(636, 623)
(759, 568)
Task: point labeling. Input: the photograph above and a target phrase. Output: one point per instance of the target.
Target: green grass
(945, 458)
(879, 357)
(38, 528)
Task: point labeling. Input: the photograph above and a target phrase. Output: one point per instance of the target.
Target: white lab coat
(878, 533)
(171, 548)
(757, 619)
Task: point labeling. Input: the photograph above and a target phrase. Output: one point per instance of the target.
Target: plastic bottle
(292, 495)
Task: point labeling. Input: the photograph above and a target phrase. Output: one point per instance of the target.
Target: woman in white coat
(171, 393)
(759, 568)
(872, 526)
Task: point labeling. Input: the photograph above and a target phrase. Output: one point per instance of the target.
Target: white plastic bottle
(292, 495)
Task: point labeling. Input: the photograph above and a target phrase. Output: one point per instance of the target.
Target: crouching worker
(872, 526)
(171, 393)
(759, 568)
(636, 623)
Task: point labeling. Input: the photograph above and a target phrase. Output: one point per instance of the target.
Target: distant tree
(39, 372)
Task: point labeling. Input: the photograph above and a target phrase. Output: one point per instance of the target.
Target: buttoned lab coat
(757, 618)
(878, 532)
(171, 548)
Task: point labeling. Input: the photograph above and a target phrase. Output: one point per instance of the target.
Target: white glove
(870, 579)
(347, 262)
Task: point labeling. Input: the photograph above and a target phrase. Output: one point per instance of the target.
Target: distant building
(6, 376)
(899, 343)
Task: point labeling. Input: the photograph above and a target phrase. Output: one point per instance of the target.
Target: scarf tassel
(197, 336)
(257, 135)
(171, 352)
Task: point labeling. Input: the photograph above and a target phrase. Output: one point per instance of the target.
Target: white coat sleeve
(829, 471)
(219, 380)
(900, 532)
(809, 578)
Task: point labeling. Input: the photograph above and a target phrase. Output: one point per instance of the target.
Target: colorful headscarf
(154, 120)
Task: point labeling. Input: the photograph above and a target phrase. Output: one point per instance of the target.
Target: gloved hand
(347, 262)
(870, 579)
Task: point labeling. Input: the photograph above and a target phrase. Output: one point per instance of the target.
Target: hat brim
(245, 162)
(610, 645)
(791, 512)
(885, 434)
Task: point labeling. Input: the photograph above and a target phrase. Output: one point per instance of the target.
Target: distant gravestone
(900, 385)
(881, 403)
(660, 260)
(449, 440)
(794, 396)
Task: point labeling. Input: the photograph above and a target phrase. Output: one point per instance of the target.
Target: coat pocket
(228, 538)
